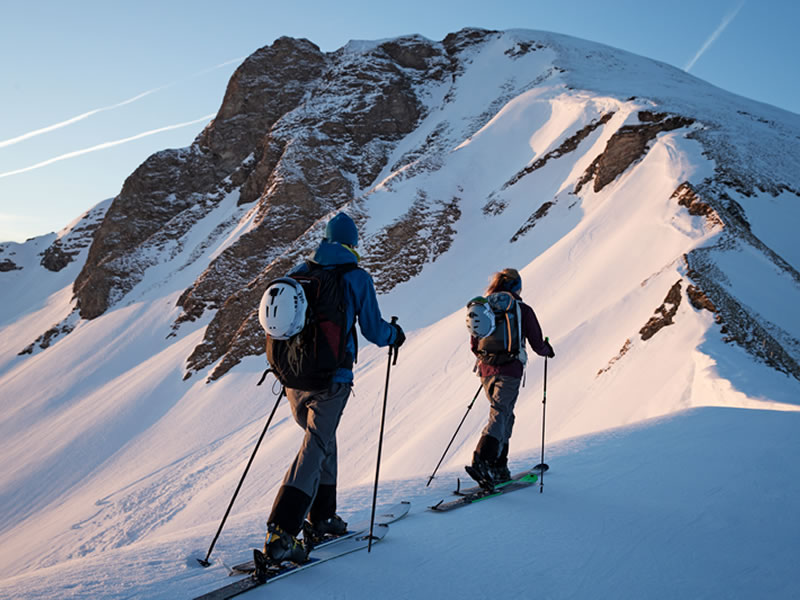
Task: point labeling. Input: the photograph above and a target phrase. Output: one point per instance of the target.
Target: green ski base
(478, 494)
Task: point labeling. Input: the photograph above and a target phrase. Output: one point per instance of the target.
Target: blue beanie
(341, 229)
(511, 280)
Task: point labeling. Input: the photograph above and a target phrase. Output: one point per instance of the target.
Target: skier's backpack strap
(522, 352)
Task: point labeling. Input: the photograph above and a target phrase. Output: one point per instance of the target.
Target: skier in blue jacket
(309, 487)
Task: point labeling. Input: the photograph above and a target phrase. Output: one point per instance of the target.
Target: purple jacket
(531, 330)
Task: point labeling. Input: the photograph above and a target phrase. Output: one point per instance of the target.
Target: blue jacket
(362, 302)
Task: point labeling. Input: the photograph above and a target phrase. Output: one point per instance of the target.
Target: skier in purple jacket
(501, 382)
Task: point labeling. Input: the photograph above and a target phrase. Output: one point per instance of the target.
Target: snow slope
(672, 457)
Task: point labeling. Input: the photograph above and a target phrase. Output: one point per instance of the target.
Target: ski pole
(204, 561)
(392, 351)
(454, 435)
(544, 407)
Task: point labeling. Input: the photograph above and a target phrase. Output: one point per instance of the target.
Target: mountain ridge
(299, 129)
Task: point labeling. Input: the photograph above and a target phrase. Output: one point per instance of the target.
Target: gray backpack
(504, 343)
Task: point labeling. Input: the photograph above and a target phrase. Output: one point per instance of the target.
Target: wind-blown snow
(673, 471)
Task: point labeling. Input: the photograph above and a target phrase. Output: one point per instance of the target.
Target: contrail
(80, 117)
(105, 145)
(725, 22)
(86, 115)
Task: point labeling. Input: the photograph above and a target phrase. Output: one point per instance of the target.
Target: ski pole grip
(395, 348)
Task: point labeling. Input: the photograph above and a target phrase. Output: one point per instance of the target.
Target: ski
(478, 494)
(335, 549)
(354, 540)
(538, 470)
(384, 517)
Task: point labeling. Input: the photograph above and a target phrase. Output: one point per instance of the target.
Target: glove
(400, 337)
(548, 350)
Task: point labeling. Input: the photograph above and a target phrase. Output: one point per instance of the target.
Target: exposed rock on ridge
(8, 265)
(664, 314)
(628, 145)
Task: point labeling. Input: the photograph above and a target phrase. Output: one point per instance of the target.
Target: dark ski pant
(310, 482)
(502, 392)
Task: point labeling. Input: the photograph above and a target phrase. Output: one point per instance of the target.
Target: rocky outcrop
(49, 337)
(398, 252)
(699, 299)
(529, 224)
(65, 249)
(628, 145)
(687, 196)
(158, 203)
(55, 258)
(622, 352)
(664, 314)
(8, 265)
(456, 43)
(269, 83)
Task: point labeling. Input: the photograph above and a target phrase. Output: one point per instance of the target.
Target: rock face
(664, 314)
(298, 133)
(628, 145)
(9, 265)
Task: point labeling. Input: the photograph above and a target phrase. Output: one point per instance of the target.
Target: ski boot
(500, 466)
(500, 473)
(481, 472)
(323, 530)
(281, 545)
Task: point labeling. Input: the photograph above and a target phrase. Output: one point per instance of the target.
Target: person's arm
(533, 331)
(370, 321)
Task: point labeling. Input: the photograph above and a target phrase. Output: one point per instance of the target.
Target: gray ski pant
(502, 392)
(318, 413)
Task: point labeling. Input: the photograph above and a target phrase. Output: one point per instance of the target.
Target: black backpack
(309, 359)
(504, 344)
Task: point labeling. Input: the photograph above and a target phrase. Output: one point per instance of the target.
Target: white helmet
(282, 312)
(480, 317)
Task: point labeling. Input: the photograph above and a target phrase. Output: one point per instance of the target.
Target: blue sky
(90, 89)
